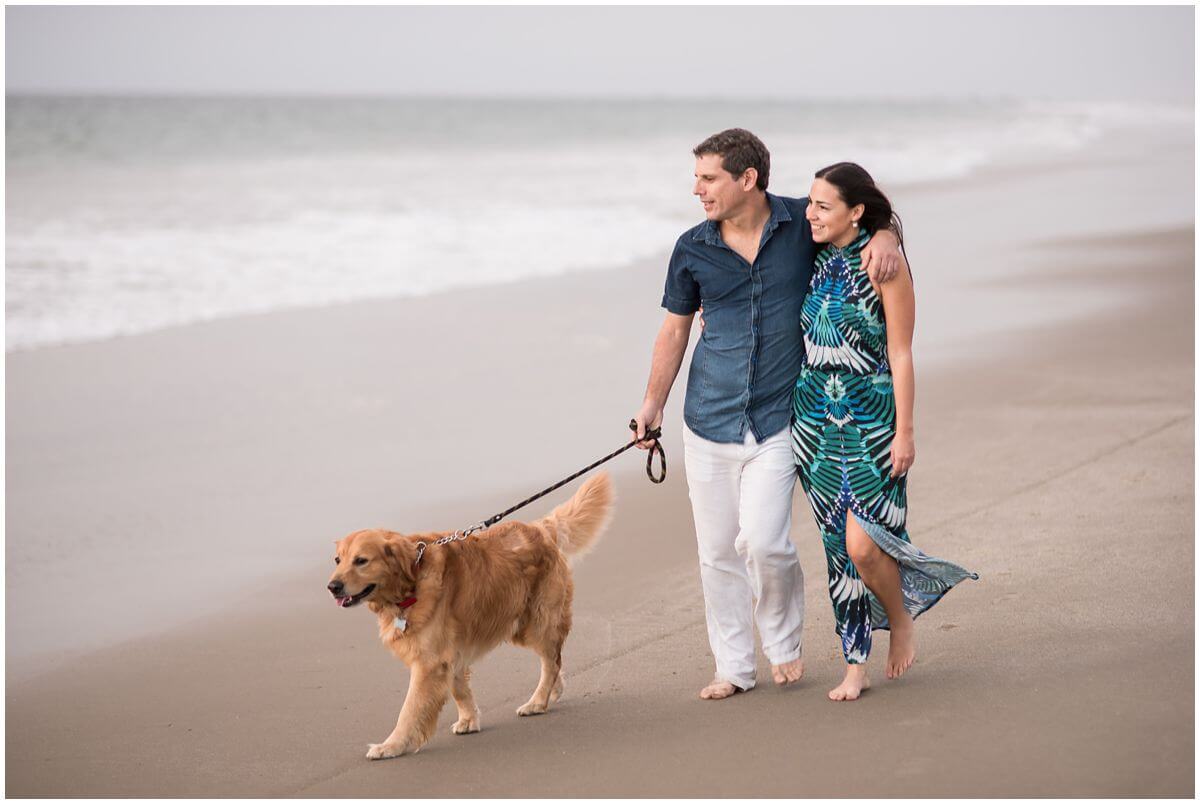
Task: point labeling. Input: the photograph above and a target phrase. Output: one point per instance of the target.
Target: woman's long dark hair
(855, 186)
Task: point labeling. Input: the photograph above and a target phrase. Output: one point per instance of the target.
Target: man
(749, 263)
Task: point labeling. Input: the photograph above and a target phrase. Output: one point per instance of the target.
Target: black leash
(651, 435)
(656, 449)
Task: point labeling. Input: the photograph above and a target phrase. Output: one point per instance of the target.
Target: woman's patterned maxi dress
(843, 424)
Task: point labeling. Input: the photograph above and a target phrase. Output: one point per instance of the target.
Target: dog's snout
(336, 587)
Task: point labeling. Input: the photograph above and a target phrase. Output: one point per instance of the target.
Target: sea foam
(126, 216)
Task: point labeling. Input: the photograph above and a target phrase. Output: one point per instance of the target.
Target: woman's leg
(821, 475)
(852, 611)
(881, 574)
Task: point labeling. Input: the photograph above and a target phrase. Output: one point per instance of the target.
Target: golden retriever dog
(442, 606)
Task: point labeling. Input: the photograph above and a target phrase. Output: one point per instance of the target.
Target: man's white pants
(742, 503)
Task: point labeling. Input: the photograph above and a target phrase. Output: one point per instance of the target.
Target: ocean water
(127, 215)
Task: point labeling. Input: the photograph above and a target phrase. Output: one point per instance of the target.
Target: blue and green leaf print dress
(843, 424)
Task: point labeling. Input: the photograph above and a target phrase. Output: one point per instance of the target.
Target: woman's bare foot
(902, 648)
(788, 672)
(852, 685)
(718, 689)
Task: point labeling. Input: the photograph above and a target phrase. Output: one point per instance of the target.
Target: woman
(852, 429)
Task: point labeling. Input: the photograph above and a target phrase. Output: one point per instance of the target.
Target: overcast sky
(1083, 53)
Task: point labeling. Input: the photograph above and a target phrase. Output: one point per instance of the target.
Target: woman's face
(832, 221)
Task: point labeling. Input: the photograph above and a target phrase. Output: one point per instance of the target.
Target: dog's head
(371, 563)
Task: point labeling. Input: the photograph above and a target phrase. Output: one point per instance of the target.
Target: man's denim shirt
(751, 349)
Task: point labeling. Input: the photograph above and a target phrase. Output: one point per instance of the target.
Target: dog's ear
(399, 554)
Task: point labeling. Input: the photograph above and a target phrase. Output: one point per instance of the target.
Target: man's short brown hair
(739, 150)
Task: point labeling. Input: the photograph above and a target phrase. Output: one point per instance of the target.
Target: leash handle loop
(655, 449)
(662, 464)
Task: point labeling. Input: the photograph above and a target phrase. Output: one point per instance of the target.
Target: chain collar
(458, 535)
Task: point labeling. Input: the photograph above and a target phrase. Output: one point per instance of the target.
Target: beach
(173, 498)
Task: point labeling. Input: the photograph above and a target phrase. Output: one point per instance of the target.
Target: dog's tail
(580, 521)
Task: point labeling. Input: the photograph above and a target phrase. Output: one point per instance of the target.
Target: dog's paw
(466, 725)
(531, 708)
(384, 750)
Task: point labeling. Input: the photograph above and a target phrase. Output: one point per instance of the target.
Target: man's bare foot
(718, 689)
(852, 685)
(787, 673)
(902, 649)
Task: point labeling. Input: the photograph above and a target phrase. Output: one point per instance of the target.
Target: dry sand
(1057, 462)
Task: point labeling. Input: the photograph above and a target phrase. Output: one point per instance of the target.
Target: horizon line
(888, 99)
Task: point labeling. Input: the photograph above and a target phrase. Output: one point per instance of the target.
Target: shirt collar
(709, 231)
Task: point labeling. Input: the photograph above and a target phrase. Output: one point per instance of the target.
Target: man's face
(722, 195)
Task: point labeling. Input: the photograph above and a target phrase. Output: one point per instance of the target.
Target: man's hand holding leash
(649, 417)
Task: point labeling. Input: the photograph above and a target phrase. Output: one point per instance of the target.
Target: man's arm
(669, 348)
(881, 257)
